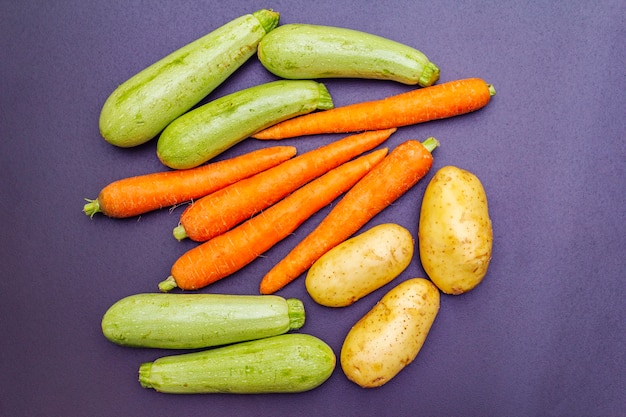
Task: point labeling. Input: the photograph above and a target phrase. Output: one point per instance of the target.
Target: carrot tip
(266, 288)
(168, 284)
(92, 207)
(179, 232)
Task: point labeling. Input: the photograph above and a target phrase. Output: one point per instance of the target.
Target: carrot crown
(92, 207)
(430, 144)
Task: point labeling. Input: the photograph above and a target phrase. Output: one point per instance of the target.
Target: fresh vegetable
(190, 321)
(360, 265)
(143, 105)
(143, 193)
(302, 51)
(280, 364)
(220, 211)
(384, 184)
(234, 249)
(390, 336)
(206, 131)
(455, 232)
(417, 106)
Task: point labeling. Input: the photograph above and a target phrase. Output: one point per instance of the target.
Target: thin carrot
(216, 213)
(227, 253)
(143, 193)
(416, 106)
(395, 175)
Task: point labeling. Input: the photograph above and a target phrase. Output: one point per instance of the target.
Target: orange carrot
(143, 193)
(416, 106)
(390, 179)
(216, 213)
(227, 253)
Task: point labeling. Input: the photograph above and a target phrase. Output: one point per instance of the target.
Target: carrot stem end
(179, 232)
(430, 144)
(92, 207)
(168, 284)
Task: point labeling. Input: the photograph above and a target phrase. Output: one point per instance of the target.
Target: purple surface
(544, 334)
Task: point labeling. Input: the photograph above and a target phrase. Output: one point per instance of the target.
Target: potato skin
(360, 265)
(389, 337)
(455, 233)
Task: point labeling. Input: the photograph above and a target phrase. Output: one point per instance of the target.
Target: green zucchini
(208, 130)
(143, 105)
(190, 321)
(287, 363)
(303, 51)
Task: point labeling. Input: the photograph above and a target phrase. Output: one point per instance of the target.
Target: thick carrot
(396, 174)
(218, 212)
(416, 106)
(143, 193)
(227, 253)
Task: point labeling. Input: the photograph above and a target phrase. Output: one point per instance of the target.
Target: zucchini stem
(268, 18)
(144, 374)
(296, 313)
(429, 75)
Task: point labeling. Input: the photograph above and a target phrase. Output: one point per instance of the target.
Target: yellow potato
(391, 334)
(455, 234)
(360, 265)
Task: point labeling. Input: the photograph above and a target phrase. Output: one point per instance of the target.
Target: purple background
(544, 334)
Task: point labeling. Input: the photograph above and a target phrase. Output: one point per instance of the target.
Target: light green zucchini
(143, 105)
(279, 364)
(303, 51)
(190, 321)
(207, 131)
